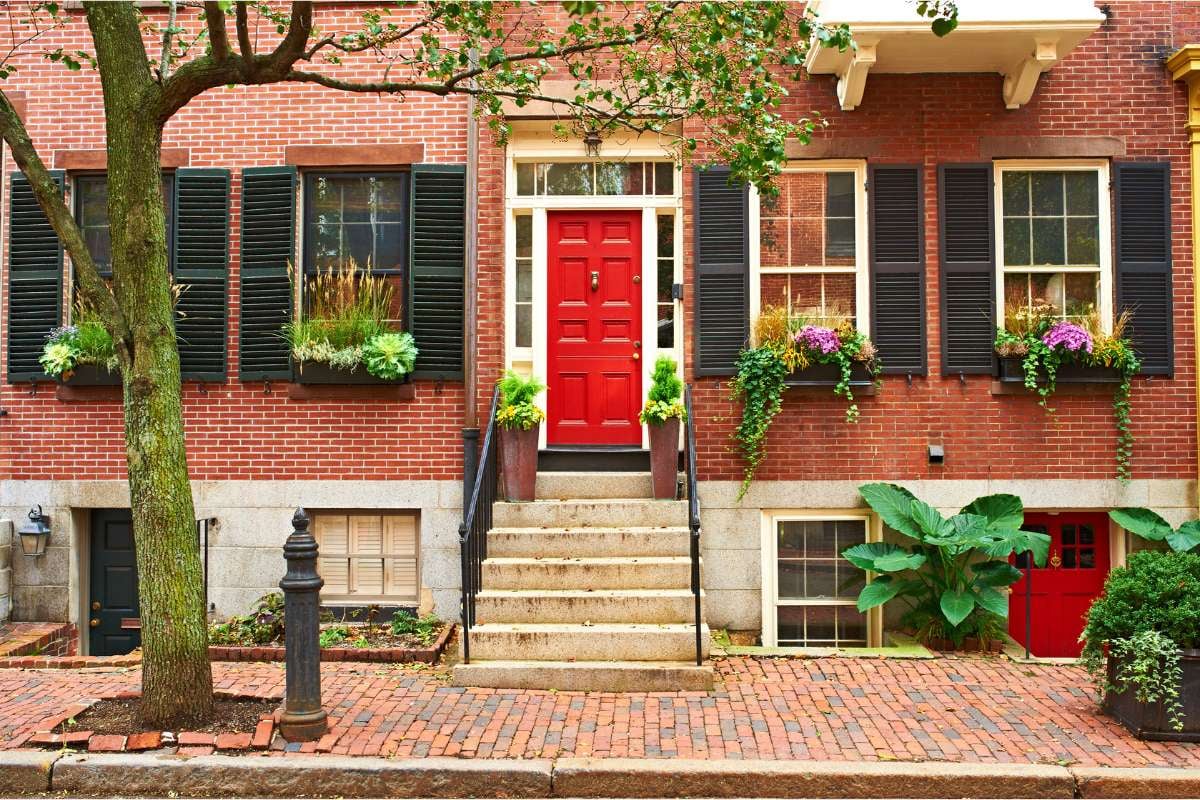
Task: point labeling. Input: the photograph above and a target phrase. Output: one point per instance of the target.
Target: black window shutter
(268, 245)
(201, 266)
(35, 270)
(898, 268)
(1144, 261)
(965, 209)
(437, 268)
(722, 271)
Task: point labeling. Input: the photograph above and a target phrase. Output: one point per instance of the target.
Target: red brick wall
(1114, 84)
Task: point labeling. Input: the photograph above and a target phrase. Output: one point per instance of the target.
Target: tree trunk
(176, 675)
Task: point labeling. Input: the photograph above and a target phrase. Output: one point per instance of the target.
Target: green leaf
(1143, 522)
(893, 504)
(1005, 543)
(992, 600)
(878, 592)
(930, 521)
(943, 26)
(957, 605)
(882, 557)
(996, 573)
(1001, 510)
(1186, 538)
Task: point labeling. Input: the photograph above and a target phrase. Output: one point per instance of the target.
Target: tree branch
(97, 293)
(214, 18)
(164, 63)
(243, 35)
(299, 29)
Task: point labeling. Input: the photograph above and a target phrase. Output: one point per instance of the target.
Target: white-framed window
(812, 243)
(523, 284)
(666, 317)
(809, 589)
(1053, 241)
(368, 555)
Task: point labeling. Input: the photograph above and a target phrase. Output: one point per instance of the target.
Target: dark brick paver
(951, 709)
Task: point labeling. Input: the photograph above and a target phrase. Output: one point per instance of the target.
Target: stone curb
(154, 774)
(129, 775)
(25, 771)
(619, 777)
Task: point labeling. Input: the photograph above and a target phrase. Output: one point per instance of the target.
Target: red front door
(595, 327)
(1062, 590)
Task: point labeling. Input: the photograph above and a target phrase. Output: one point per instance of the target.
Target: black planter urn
(1149, 720)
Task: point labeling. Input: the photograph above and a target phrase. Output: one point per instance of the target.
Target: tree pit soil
(124, 717)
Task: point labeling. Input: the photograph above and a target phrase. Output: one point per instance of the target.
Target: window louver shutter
(722, 271)
(897, 269)
(267, 247)
(968, 268)
(437, 268)
(202, 270)
(35, 268)
(1144, 261)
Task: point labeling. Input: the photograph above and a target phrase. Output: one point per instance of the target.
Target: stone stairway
(587, 588)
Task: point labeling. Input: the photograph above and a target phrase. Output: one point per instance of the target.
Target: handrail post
(465, 609)
(693, 516)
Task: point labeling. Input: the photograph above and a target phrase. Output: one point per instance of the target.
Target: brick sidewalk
(950, 709)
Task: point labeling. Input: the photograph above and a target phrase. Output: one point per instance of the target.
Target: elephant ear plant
(1150, 526)
(954, 574)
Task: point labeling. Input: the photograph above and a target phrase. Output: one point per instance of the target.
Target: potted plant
(1039, 349)
(349, 334)
(955, 575)
(661, 415)
(519, 420)
(796, 350)
(81, 354)
(1141, 645)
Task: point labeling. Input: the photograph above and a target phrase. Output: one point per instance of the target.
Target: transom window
(815, 588)
(595, 178)
(91, 213)
(368, 556)
(810, 258)
(356, 216)
(1053, 250)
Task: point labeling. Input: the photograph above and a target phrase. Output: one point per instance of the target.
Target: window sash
(403, 221)
(101, 179)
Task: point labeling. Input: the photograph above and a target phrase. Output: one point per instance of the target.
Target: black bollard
(303, 719)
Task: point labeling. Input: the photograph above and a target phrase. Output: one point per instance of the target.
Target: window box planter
(1010, 370)
(826, 376)
(92, 375)
(315, 373)
(1149, 720)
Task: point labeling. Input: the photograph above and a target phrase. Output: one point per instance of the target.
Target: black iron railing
(693, 516)
(477, 521)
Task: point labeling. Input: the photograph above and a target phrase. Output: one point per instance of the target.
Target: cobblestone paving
(950, 709)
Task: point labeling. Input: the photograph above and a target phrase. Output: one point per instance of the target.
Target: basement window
(368, 557)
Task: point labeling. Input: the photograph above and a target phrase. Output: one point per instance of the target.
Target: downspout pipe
(470, 430)
(1184, 65)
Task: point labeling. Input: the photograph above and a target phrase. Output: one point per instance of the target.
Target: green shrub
(664, 400)
(425, 628)
(333, 635)
(263, 625)
(1149, 611)
(953, 576)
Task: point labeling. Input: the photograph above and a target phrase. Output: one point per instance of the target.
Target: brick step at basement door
(588, 588)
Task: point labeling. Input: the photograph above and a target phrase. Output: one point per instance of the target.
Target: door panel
(1063, 590)
(113, 627)
(594, 322)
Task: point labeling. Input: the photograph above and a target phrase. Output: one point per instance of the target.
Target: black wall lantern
(35, 533)
(591, 143)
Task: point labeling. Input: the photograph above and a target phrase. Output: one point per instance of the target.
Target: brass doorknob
(95, 623)
(637, 278)
(95, 605)
(636, 356)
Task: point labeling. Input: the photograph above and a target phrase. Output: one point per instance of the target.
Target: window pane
(666, 325)
(839, 242)
(821, 624)
(666, 236)
(359, 217)
(820, 539)
(1016, 193)
(389, 247)
(839, 194)
(790, 583)
(820, 579)
(613, 177)
(1047, 193)
(666, 279)
(791, 540)
(93, 200)
(524, 243)
(789, 623)
(568, 178)
(525, 173)
(1016, 242)
(1082, 293)
(1083, 240)
(524, 322)
(851, 626)
(664, 178)
(1082, 193)
(1048, 241)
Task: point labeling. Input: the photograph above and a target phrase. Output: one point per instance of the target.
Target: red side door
(1063, 590)
(594, 318)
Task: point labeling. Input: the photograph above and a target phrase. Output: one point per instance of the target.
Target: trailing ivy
(759, 384)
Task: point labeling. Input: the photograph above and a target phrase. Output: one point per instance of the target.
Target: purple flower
(815, 337)
(1069, 336)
